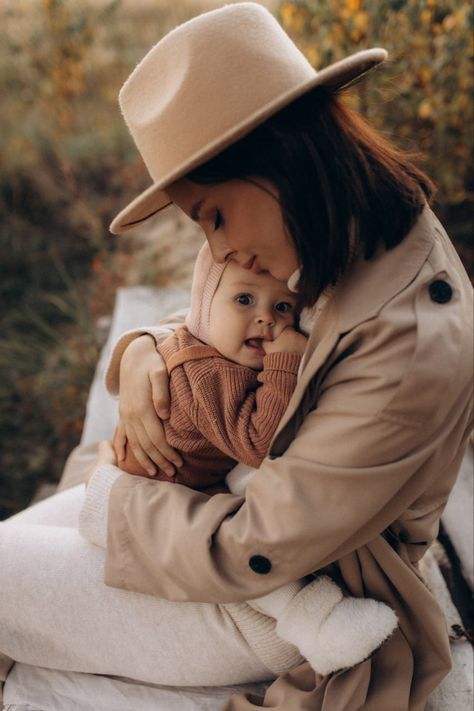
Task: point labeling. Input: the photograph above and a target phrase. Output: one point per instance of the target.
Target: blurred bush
(421, 97)
(67, 165)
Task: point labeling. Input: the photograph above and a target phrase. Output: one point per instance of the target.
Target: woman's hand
(106, 455)
(144, 399)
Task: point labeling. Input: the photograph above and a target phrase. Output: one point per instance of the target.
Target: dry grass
(67, 166)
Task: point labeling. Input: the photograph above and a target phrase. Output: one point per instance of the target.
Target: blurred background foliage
(422, 96)
(67, 165)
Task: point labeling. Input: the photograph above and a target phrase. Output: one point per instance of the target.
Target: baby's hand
(289, 341)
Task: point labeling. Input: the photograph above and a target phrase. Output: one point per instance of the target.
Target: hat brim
(337, 75)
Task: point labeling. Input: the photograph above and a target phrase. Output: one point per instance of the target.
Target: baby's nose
(266, 316)
(266, 323)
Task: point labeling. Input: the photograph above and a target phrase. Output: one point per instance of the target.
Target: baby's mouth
(255, 344)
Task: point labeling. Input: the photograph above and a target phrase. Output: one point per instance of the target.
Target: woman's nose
(220, 250)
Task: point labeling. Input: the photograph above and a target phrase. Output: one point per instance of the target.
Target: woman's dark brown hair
(330, 167)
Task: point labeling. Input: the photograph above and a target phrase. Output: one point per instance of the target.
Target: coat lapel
(362, 292)
(305, 396)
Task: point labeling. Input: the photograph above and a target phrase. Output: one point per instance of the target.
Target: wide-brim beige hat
(209, 82)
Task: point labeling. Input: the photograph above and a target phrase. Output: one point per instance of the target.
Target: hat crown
(203, 78)
(208, 83)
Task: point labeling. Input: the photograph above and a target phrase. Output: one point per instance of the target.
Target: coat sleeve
(388, 418)
(237, 418)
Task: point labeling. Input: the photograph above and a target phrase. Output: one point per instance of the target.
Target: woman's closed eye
(218, 220)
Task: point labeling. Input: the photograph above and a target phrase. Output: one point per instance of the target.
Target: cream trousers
(56, 612)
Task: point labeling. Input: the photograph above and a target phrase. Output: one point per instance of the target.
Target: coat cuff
(112, 371)
(94, 512)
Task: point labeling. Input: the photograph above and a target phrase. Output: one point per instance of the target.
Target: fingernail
(164, 414)
(151, 471)
(169, 471)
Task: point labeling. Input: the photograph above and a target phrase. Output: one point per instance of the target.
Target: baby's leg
(56, 612)
(331, 631)
(275, 602)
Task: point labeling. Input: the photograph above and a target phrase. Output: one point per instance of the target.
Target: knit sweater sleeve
(239, 419)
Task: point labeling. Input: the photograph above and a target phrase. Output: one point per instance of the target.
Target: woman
(241, 133)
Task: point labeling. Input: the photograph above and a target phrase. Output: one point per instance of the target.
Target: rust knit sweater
(221, 412)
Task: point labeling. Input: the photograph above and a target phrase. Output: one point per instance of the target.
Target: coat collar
(365, 288)
(370, 284)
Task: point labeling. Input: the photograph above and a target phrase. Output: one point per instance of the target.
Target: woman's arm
(383, 443)
(144, 392)
(137, 372)
(158, 333)
(302, 511)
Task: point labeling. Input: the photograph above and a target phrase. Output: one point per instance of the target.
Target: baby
(233, 368)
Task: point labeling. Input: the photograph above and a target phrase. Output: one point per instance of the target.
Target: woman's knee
(58, 510)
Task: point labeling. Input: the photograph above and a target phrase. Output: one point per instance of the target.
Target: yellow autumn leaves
(352, 11)
(296, 18)
(428, 75)
(293, 17)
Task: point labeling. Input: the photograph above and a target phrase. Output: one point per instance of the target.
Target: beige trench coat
(356, 480)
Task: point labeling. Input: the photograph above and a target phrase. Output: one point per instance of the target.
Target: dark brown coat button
(260, 564)
(440, 291)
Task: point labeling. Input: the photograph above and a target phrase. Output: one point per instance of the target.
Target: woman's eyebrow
(196, 208)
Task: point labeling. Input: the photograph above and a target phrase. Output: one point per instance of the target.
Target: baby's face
(247, 309)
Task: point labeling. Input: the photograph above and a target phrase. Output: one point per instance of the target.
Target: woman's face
(242, 221)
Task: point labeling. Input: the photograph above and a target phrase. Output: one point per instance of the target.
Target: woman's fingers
(160, 391)
(134, 442)
(145, 451)
(144, 392)
(159, 449)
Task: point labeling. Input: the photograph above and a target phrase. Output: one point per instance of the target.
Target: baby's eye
(244, 299)
(284, 307)
(218, 220)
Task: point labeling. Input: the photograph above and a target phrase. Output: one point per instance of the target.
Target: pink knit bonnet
(206, 277)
